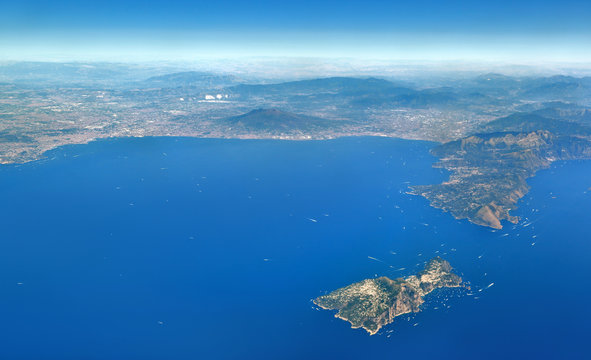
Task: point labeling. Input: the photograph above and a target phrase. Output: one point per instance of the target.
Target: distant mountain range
(558, 87)
(527, 122)
(191, 79)
(488, 89)
(366, 92)
(360, 92)
(333, 85)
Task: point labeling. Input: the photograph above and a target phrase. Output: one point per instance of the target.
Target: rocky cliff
(373, 303)
(489, 172)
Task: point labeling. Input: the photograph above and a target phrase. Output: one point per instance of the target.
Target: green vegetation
(489, 171)
(373, 303)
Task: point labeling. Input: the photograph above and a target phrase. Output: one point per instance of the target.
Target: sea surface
(176, 248)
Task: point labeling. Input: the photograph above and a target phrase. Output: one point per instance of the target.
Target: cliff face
(373, 303)
(489, 172)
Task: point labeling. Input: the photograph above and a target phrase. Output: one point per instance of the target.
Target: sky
(509, 30)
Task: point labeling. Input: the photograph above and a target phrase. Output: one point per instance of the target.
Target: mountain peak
(273, 119)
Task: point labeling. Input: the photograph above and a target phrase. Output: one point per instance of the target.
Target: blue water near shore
(168, 248)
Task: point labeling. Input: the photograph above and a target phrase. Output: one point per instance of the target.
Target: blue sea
(178, 248)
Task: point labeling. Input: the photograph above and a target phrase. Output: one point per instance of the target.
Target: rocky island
(373, 303)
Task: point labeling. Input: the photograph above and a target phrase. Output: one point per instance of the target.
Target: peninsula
(489, 171)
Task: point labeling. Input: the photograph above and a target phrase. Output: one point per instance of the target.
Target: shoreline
(42, 154)
(421, 302)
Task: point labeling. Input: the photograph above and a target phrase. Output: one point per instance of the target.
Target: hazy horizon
(277, 69)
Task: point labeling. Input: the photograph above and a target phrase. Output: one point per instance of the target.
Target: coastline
(462, 285)
(40, 155)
